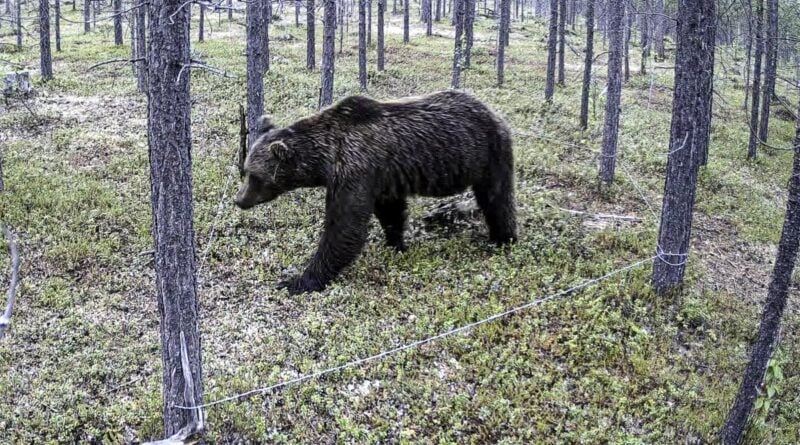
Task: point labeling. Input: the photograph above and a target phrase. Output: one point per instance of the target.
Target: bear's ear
(280, 150)
(264, 124)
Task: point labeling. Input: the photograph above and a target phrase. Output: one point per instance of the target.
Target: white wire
(414, 344)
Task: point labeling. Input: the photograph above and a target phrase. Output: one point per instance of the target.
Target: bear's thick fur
(370, 156)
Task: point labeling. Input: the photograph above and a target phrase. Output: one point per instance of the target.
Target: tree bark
(752, 146)
(18, 23)
(328, 42)
(628, 23)
(778, 292)
(369, 22)
(770, 69)
(469, 31)
(310, 36)
(587, 65)
(169, 137)
(381, 13)
(438, 17)
(429, 18)
(457, 50)
(406, 34)
(644, 26)
(507, 31)
(562, 17)
(694, 75)
(45, 57)
(267, 12)
(501, 49)
(658, 30)
(362, 44)
(611, 126)
(87, 15)
(201, 28)
(549, 87)
(255, 57)
(57, 11)
(118, 22)
(140, 30)
(297, 13)
(230, 10)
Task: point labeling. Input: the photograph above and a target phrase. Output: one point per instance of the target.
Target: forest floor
(609, 364)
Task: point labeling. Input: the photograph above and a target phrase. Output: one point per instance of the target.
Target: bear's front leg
(347, 214)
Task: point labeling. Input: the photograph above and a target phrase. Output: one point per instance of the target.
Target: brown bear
(370, 156)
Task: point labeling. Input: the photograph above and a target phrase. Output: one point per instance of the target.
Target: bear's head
(268, 169)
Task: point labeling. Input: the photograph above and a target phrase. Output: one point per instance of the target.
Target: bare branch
(5, 320)
(106, 62)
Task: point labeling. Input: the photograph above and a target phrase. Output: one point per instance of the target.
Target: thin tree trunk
(752, 147)
(628, 23)
(362, 44)
(749, 16)
(645, 38)
(469, 31)
(506, 32)
(439, 11)
(658, 30)
(169, 136)
(310, 35)
(369, 22)
(770, 69)
(562, 17)
(406, 34)
(381, 13)
(328, 42)
(777, 295)
(501, 50)
(552, 37)
(297, 13)
(87, 15)
(201, 28)
(587, 67)
(118, 22)
(267, 11)
(141, 49)
(254, 11)
(694, 75)
(230, 10)
(429, 19)
(457, 51)
(18, 23)
(611, 127)
(46, 58)
(57, 6)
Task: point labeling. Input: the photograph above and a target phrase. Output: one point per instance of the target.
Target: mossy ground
(610, 364)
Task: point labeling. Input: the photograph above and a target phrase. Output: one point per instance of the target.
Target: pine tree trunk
(658, 30)
(18, 23)
(381, 13)
(328, 42)
(506, 10)
(749, 64)
(230, 10)
(429, 19)
(562, 17)
(141, 49)
(369, 22)
(587, 66)
(752, 146)
(362, 44)
(770, 69)
(57, 11)
(552, 37)
(310, 35)
(694, 75)
(627, 33)
(438, 17)
(501, 50)
(469, 31)
(87, 15)
(254, 10)
(406, 35)
(267, 12)
(46, 58)
(297, 13)
(777, 295)
(645, 37)
(118, 22)
(611, 126)
(457, 50)
(201, 28)
(169, 136)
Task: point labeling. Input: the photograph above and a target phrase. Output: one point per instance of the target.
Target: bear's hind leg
(392, 216)
(497, 203)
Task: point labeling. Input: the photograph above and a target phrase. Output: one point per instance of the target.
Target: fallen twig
(106, 62)
(5, 320)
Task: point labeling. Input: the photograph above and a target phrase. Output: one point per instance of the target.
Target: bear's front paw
(299, 285)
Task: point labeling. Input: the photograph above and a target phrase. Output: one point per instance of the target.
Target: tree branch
(5, 320)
